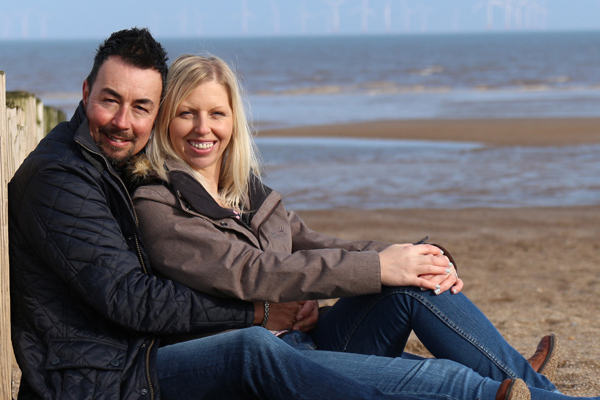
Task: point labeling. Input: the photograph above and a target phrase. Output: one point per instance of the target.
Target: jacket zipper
(137, 245)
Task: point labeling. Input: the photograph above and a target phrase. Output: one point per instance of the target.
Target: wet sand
(532, 271)
(499, 132)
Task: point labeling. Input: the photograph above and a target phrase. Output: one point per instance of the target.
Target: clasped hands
(294, 315)
(421, 265)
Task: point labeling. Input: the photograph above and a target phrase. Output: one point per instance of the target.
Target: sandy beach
(532, 271)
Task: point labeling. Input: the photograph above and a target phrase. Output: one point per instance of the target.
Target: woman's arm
(221, 261)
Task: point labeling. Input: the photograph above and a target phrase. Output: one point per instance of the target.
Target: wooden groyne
(24, 120)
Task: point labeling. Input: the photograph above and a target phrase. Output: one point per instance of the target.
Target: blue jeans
(360, 356)
(254, 364)
(450, 326)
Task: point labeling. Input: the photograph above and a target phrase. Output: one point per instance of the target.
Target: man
(87, 312)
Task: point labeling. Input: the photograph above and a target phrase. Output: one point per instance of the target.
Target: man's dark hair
(136, 47)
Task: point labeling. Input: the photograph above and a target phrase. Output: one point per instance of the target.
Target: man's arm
(76, 235)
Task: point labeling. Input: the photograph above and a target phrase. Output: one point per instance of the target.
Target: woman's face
(202, 128)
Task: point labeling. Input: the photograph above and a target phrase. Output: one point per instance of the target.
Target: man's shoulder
(53, 148)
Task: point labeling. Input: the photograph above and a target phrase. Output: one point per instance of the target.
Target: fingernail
(423, 289)
(437, 291)
(448, 270)
(453, 291)
(442, 251)
(437, 286)
(450, 264)
(299, 317)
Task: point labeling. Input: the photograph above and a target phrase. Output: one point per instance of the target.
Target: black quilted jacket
(86, 309)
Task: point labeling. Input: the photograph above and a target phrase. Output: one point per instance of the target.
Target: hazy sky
(72, 19)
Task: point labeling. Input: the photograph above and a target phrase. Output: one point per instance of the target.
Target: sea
(320, 80)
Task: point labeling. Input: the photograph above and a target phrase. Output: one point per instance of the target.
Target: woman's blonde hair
(240, 158)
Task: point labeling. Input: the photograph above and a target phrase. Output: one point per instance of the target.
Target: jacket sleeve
(194, 250)
(65, 218)
(305, 238)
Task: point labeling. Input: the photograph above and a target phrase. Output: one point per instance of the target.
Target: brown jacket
(269, 255)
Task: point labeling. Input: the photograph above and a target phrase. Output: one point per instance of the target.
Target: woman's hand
(408, 264)
(449, 281)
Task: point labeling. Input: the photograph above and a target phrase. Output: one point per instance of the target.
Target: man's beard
(107, 150)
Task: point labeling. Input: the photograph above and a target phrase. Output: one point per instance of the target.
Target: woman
(210, 223)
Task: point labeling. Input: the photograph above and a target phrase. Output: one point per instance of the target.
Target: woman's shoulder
(138, 172)
(143, 182)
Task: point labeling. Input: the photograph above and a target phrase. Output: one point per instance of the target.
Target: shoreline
(497, 132)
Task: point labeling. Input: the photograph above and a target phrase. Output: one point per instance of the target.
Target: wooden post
(21, 128)
(6, 357)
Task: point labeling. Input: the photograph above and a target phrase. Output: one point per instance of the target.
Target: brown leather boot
(513, 389)
(545, 359)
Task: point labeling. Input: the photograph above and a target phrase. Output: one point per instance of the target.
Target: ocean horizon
(299, 81)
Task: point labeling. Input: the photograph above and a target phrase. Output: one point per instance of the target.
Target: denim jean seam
(359, 320)
(450, 323)
(442, 317)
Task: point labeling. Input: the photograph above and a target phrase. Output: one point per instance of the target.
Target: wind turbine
(519, 9)
(6, 22)
(304, 17)
(423, 12)
(536, 15)
(335, 7)
(245, 16)
(489, 5)
(387, 16)
(365, 12)
(276, 17)
(508, 11)
(407, 11)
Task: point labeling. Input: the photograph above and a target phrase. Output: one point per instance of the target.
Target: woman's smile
(202, 145)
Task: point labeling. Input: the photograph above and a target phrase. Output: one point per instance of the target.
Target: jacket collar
(198, 197)
(79, 124)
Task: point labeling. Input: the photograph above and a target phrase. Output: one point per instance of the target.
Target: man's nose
(121, 119)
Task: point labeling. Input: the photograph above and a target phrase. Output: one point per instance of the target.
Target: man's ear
(86, 92)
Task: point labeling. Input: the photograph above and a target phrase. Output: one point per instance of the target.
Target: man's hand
(307, 318)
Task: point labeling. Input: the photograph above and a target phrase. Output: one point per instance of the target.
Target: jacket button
(223, 224)
(54, 360)
(144, 391)
(115, 363)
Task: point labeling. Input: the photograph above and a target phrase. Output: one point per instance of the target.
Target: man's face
(121, 108)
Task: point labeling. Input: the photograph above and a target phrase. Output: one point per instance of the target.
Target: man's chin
(116, 155)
